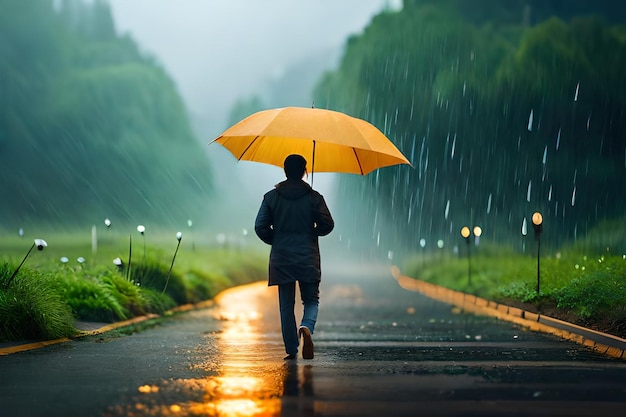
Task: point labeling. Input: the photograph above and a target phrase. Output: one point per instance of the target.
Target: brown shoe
(307, 342)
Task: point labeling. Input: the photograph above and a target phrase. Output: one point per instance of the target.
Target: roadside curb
(600, 342)
(101, 328)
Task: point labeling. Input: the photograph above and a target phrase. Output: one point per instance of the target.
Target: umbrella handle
(313, 164)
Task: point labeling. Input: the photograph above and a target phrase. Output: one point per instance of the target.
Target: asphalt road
(380, 351)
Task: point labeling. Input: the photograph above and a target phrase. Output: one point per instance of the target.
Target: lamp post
(477, 232)
(537, 220)
(179, 237)
(142, 229)
(465, 233)
(40, 244)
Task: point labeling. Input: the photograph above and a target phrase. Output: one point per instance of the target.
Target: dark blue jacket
(291, 218)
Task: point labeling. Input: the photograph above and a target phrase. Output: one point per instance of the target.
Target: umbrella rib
(247, 147)
(358, 160)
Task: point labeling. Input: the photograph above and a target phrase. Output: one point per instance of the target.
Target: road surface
(380, 351)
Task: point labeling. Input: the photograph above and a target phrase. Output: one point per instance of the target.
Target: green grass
(586, 289)
(31, 309)
(584, 283)
(48, 295)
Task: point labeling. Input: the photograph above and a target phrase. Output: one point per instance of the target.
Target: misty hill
(504, 109)
(526, 12)
(89, 126)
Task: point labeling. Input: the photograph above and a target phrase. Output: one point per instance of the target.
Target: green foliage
(84, 113)
(522, 291)
(500, 117)
(46, 296)
(30, 308)
(598, 291)
(154, 275)
(587, 289)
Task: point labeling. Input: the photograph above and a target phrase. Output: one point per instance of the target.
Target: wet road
(380, 350)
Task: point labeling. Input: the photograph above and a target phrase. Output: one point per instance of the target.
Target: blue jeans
(310, 294)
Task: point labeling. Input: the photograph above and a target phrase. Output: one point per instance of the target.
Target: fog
(220, 51)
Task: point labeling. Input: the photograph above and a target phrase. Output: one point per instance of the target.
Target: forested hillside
(90, 127)
(504, 109)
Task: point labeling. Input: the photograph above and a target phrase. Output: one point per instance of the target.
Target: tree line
(90, 127)
(504, 108)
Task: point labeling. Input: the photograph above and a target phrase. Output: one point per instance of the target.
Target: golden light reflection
(247, 379)
(147, 389)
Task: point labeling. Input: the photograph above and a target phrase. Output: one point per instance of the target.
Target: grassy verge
(69, 281)
(588, 290)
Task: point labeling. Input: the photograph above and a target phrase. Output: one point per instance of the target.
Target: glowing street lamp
(537, 220)
(142, 229)
(119, 264)
(440, 245)
(193, 242)
(40, 243)
(179, 237)
(477, 232)
(466, 233)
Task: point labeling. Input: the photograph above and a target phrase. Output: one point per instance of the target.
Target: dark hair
(295, 166)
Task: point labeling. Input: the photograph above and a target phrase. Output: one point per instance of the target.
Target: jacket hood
(293, 189)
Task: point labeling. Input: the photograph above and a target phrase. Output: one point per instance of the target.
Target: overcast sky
(220, 50)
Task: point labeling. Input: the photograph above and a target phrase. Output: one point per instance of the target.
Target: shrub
(31, 308)
(91, 300)
(153, 275)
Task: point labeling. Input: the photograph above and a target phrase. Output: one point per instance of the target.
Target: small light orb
(40, 243)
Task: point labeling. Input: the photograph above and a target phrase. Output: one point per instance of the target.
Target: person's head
(295, 166)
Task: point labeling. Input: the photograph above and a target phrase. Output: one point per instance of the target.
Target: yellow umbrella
(330, 141)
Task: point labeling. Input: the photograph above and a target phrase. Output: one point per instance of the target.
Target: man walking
(291, 218)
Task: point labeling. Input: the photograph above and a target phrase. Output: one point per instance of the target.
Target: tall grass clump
(63, 286)
(91, 298)
(31, 308)
(104, 295)
(153, 275)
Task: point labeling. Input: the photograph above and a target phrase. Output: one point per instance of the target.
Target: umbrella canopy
(330, 141)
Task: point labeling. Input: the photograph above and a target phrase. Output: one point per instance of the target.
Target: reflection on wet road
(242, 360)
(380, 350)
